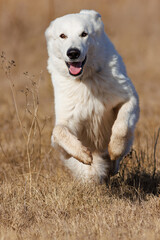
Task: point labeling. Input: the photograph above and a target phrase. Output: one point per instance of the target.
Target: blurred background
(133, 26)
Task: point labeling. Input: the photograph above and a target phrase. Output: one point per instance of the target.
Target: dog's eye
(63, 35)
(84, 34)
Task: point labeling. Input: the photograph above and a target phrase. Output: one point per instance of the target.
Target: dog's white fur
(96, 112)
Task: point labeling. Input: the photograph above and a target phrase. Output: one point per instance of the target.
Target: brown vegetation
(39, 199)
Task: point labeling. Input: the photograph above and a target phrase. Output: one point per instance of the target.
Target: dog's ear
(49, 31)
(93, 13)
(95, 18)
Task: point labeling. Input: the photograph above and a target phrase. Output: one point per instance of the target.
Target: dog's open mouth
(76, 68)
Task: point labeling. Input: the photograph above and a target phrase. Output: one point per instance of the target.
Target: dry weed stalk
(156, 137)
(7, 66)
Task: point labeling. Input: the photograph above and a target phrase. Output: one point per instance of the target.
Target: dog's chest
(91, 117)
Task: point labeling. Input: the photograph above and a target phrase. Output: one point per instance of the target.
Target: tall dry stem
(7, 65)
(154, 152)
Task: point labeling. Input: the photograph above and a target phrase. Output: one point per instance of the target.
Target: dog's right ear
(49, 31)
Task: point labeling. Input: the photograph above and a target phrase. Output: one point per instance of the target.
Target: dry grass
(39, 199)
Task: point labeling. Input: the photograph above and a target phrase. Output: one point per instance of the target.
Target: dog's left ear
(93, 13)
(95, 17)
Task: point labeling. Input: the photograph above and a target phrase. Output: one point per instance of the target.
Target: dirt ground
(39, 199)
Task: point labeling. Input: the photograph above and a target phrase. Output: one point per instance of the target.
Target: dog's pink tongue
(75, 68)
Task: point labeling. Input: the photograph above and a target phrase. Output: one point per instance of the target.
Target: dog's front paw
(116, 148)
(85, 156)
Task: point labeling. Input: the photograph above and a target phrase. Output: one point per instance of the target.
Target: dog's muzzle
(75, 68)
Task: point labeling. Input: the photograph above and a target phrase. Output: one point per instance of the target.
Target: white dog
(96, 104)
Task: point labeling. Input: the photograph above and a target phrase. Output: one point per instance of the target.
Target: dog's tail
(98, 170)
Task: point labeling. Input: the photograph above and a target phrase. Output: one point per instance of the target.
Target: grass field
(39, 199)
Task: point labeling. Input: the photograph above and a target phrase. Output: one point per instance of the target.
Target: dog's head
(71, 40)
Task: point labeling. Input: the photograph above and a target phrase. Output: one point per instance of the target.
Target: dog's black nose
(73, 53)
